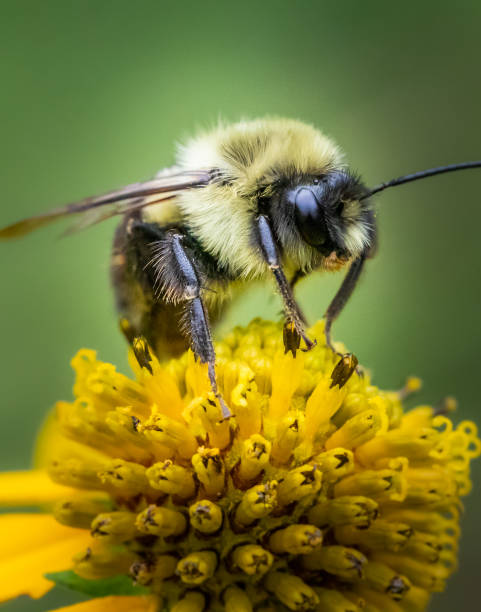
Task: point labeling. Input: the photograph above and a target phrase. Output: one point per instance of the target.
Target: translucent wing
(132, 197)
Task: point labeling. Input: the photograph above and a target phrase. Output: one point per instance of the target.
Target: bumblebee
(265, 199)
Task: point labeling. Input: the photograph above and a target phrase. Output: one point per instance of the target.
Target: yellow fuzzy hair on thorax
(251, 156)
(249, 152)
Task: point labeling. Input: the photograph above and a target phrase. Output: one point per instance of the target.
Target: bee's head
(328, 213)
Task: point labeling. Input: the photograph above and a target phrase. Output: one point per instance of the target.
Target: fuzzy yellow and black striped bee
(248, 201)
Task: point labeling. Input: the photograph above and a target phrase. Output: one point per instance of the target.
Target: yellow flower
(320, 493)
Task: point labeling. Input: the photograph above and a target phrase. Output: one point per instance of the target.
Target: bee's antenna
(420, 175)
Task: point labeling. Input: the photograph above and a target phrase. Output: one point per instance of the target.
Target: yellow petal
(119, 603)
(30, 488)
(33, 545)
(23, 533)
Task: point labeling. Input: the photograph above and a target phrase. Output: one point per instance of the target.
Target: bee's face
(327, 213)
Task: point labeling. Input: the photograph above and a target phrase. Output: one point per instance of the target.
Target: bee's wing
(132, 197)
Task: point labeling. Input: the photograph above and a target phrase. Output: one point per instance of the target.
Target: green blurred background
(94, 95)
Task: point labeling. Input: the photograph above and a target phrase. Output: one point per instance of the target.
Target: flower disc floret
(319, 493)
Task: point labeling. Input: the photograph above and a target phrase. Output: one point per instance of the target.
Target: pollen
(320, 492)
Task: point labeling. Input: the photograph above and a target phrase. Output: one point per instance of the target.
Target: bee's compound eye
(309, 217)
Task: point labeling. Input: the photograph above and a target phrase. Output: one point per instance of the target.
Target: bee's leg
(133, 281)
(294, 326)
(178, 280)
(342, 296)
(297, 276)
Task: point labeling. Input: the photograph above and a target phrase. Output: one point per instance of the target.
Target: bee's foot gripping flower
(320, 493)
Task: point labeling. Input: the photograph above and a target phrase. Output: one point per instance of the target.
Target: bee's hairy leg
(294, 328)
(291, 338)
(342, 296)
(298, 275)
(133, 282)
(178, 280)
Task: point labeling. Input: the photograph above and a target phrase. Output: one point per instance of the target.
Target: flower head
(320, 493)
